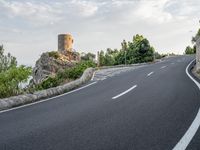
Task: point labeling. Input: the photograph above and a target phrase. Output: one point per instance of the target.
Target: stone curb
(192, 69)
(130, 65)
(15, 101)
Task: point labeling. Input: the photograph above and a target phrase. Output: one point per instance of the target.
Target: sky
(30, 27)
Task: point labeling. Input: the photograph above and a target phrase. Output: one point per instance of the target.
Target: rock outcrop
(49, 64)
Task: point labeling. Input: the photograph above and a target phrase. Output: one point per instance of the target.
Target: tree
(101, 58)
(195, 37)
(10, 75)
(6, 61)
(124, 48)
(119, 59)
(194, 48)
(137, 51)
(109, 60)
(190, 50)
(88, 56)
(11, 78)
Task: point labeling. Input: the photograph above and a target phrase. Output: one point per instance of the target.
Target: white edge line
(93, 76)
(115, 97)
(150, 74)
(187, 137)
(41, 101)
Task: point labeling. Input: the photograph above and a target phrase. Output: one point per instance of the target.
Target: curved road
(149, 108)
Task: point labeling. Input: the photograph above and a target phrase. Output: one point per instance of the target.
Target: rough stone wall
(198, 54)
(29, 98)
(72, 56)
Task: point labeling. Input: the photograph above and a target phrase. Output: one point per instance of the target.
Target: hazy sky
(30, 27)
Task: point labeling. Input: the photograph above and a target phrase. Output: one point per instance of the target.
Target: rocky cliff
(49, 64)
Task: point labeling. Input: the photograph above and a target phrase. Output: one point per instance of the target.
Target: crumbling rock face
(48, 66)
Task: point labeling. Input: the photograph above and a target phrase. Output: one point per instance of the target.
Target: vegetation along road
(153, 107)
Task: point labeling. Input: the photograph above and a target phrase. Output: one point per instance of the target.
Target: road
(147, 108)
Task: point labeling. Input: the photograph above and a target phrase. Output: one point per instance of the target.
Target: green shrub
(50, 82)
(68, 74)
(138, 50)
(78, 70)
(10, 80)
(54, 54)
(190, 50)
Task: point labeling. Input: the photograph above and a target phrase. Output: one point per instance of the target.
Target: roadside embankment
(29, 98)
(19, 100)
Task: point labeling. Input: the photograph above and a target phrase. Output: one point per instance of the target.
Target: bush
(50, 82)
(68, 74)
(190, 50)
(138, 50)
(88, 56)
(54, 54)
(76, 71)
(10, 80)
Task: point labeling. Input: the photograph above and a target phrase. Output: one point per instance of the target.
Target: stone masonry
(65, 42)
(198, 54)
(29, 98)
(65, 47)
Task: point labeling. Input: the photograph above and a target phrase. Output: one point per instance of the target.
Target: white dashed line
(93, 76)
(121, 94)
(163, 67)
(150, 74)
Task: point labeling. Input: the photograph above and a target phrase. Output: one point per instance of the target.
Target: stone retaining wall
(29, 98)
(198, 54)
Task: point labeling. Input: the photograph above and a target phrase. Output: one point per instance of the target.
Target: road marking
(150, 74)
(187, 137)
(163, 67)
(15, 108)
(172, 63)
(93, 76)
(121, 94)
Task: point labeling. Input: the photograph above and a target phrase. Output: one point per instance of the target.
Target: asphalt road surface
(147, 108)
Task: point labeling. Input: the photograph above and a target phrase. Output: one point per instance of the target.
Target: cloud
(95, 24)
(43, 13)
(153, 11)
(37, 13)
(183, 8)
(84, 8)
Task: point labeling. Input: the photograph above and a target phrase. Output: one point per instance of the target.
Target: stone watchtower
(65, 42)
(65, 47)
